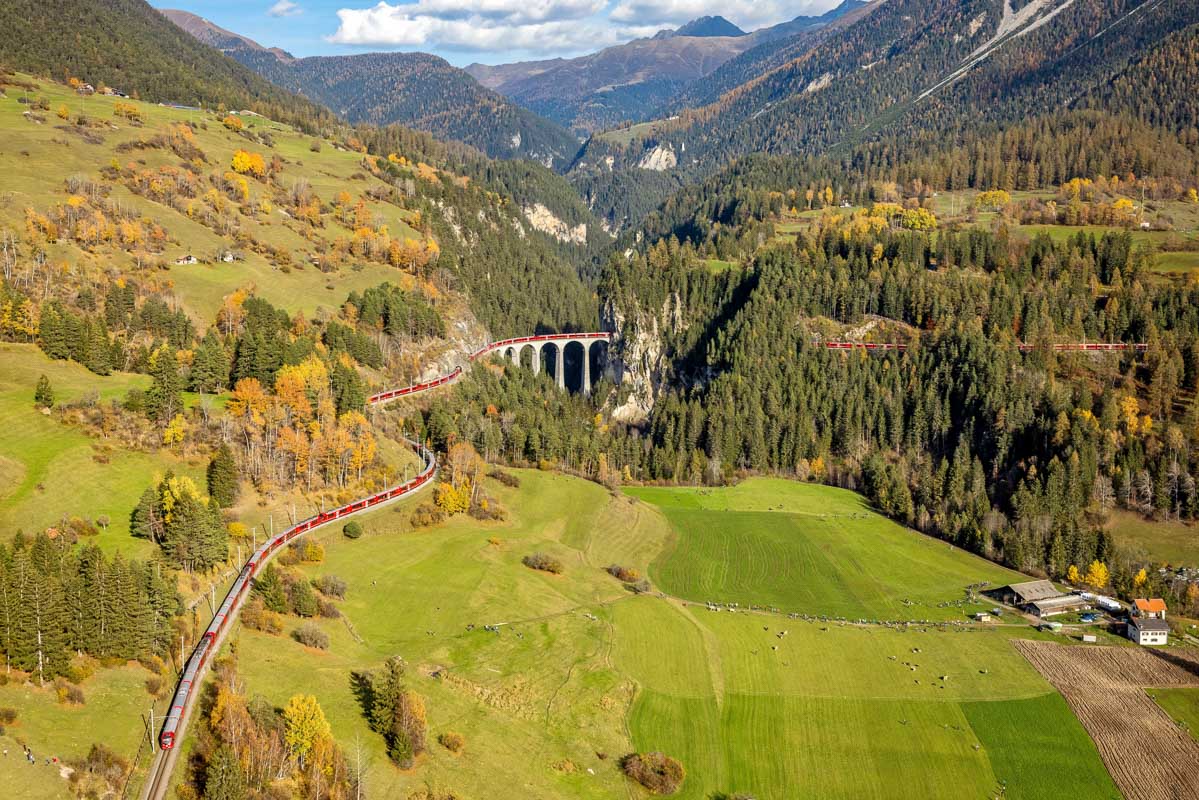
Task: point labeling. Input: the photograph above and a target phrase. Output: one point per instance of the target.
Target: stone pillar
(560, 366)
(515, 355)
(536, 359)
(586, 385)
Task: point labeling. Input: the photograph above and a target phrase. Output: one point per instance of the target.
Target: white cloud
(285, 8)
(484, 25)
(746, 13)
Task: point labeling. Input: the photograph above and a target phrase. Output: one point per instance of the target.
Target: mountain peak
(709, 26)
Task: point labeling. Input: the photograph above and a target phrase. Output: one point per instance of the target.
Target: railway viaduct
(555, 344)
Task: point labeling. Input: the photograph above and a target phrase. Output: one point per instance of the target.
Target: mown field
(810, 549)
(1182, 704)
(583, 671)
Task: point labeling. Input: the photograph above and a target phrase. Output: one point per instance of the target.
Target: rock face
(660, 159)
(542, 219)
(639, 360)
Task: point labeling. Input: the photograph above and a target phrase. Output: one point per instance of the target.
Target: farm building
(1153, 608)
(1038, 597)
(1148, 630)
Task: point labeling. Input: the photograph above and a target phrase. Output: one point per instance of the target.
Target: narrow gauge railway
(209, 642)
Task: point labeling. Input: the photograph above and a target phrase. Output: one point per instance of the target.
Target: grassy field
(1183, 262)
(116, 701)
(1159, 541)
(582, 671)
(50, 470)
(809, 549)
(1182, 705)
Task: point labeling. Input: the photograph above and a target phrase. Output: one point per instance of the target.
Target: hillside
(413, 89)
(127, 45)
(889, 73)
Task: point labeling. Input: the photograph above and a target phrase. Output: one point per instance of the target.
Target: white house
(1147, 624)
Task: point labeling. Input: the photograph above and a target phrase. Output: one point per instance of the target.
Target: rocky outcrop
(641, 364)
(660, 159)
(542, 219)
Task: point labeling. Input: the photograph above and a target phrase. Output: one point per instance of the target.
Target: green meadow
(810, 549)
(583, 671)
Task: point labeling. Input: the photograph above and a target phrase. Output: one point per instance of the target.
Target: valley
(603, 403)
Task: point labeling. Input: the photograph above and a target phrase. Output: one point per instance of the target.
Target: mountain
(415, 89)
(896, 69)
(126, 44)
(709, 26)
(628, 82)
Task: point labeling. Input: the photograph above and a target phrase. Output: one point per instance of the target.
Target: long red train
(208, 642)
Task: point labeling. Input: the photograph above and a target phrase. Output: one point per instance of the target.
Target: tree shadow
(364, 691)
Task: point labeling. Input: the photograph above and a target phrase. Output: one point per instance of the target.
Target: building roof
(1030, 591)
(1148, 624)
(1058, 603)
(1151, 606)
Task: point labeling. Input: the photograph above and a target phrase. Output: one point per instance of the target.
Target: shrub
(352, 529)
(427, 514)
(638, 587)
(315, 146)
(454, 742)
(314, 552)
(255, 615)
(331, 586)
(8, 715)
(543, 562)
(310, 635)
(625, 574)
(326, 609)
(657, 772)
(506, 478)
(68, 692)
(154, 685)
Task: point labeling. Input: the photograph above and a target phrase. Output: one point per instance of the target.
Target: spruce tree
(224, 778)
(163, 398)
(223, 477)
(43, 396)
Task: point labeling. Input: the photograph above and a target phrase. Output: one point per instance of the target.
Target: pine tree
(224, 778)
(43, 396)
(223, 477)
(164, 399)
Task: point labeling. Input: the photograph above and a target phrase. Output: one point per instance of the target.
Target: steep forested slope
(414, 89)
(127, 45)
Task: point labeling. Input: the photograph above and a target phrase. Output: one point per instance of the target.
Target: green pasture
(582, 671)
(1182, 704)
(1157, 541)
(116, 699)
(49, 469)
(810, 549)
(32, 150)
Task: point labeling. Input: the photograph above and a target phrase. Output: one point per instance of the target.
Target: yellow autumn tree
(305, 725)
(1073, 576)
(1140, 579)
(1097, 574)
(247, 163)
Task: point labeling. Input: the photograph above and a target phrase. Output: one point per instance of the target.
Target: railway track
(183, 702)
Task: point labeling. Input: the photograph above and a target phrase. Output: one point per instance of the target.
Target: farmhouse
(187, 259)
(1147, 623)
(1148, 630)
(1038, 597)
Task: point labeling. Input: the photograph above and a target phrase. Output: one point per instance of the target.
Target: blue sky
(462, 31)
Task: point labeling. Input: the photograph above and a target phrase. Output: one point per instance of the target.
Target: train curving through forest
(210, 641)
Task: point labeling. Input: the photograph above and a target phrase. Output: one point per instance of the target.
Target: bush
(331, 586)
(326, 609)
(506, 478)
(638, 587)
(543, 562)
(68, 692)
(314, 552)
(454, 742)
(657, 772)
(8, 715)
(257, 616)
(352, 529)
(310, 635)
(154, 685)
(625, 574)
(427, 514)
